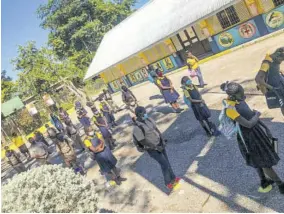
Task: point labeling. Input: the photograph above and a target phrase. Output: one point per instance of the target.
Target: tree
(8, 87)
(78, 26)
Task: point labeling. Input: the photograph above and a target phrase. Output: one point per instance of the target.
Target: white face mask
(91, 133)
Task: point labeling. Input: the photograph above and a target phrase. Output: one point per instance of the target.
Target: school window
(278, 2)
(228, 17)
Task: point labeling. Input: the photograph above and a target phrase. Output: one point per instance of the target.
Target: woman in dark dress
(256, 146)
(200, 109)
(104, 157)
(105, 109)
(169, 93)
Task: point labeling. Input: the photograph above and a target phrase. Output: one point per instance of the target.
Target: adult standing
(128, 98)
(108, 98)
(103, 106)
(193, 64)
(147, 137)
(19, 143)
(168, 91)
(13, 159)
(74, 134)
(39, 151)
(270, 80)
(254, 138)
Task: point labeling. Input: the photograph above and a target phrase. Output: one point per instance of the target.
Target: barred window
(228, 17)
(278, 2)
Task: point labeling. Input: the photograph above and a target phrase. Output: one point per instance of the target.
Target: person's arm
(261, 77)
(197, 60)
(98, 148)
(133, 96)
(268, 132)
(161, 86)
(234, 115)
(187, 95)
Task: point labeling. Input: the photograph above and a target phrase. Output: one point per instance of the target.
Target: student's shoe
(122, 179)
(118, 181)
(170, 186)
(265, 186)
(281, 188)
(177, 179)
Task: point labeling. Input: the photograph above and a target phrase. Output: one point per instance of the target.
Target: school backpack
(227, 126)
(139, 146)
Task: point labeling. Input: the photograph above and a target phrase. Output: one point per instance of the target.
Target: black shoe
(118, 181)
(122, 179)
(281, 188)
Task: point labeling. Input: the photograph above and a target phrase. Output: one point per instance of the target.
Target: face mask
(160, 74)
(145, 116)
(188, 82)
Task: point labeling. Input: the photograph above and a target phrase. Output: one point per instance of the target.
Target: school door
(190, 41)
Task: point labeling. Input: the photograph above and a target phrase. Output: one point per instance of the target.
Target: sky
(20, 24)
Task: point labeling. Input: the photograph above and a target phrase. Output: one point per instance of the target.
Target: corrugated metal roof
(8, 107)
(154, 22)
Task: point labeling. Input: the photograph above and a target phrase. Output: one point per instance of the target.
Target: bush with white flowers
(49, 189)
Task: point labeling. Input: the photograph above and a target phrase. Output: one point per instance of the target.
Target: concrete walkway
(216, 178)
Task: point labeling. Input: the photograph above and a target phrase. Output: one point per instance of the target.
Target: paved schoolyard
(216, 178)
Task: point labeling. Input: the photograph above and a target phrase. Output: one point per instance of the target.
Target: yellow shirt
(87, 141)
(230, 112)
(193, 62)
(265, 66)
(18, 141)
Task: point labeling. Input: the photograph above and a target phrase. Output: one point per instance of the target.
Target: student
(40, 138)
(19, 143)
(14, 160)
(56, 122)
(74, 134)
(147, 137)
(63, 115)
(104, 157)
(128, 98)
(101, 123)
(169, 93)
(51, 132)
(107, 97)
(200, 109)
(269, 78)
(64, 146)
(39, 151)
(152, 74)
(192, 63)
(103, 106)
(82, 115)
(256, 146)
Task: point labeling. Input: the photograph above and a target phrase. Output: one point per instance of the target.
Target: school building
(160, 33)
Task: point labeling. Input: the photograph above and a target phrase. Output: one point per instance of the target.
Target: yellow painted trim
(260, 7)
(143, 56)
(121, 69)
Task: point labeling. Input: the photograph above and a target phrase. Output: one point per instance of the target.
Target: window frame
(230, 19)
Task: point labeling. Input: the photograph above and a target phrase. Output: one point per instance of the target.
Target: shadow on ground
(223, 163)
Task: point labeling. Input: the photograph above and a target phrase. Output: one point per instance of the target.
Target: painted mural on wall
(274, 19)
(237, 35)
(138, 76)
(116, 84)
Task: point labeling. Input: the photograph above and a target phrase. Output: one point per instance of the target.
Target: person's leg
(173, 176)
(269, 172)
(45, 142)
(116, 171)
(204, 126)
(265, 184)
(200, 77)
(161, 159)
(282, 110)
(79, 141)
